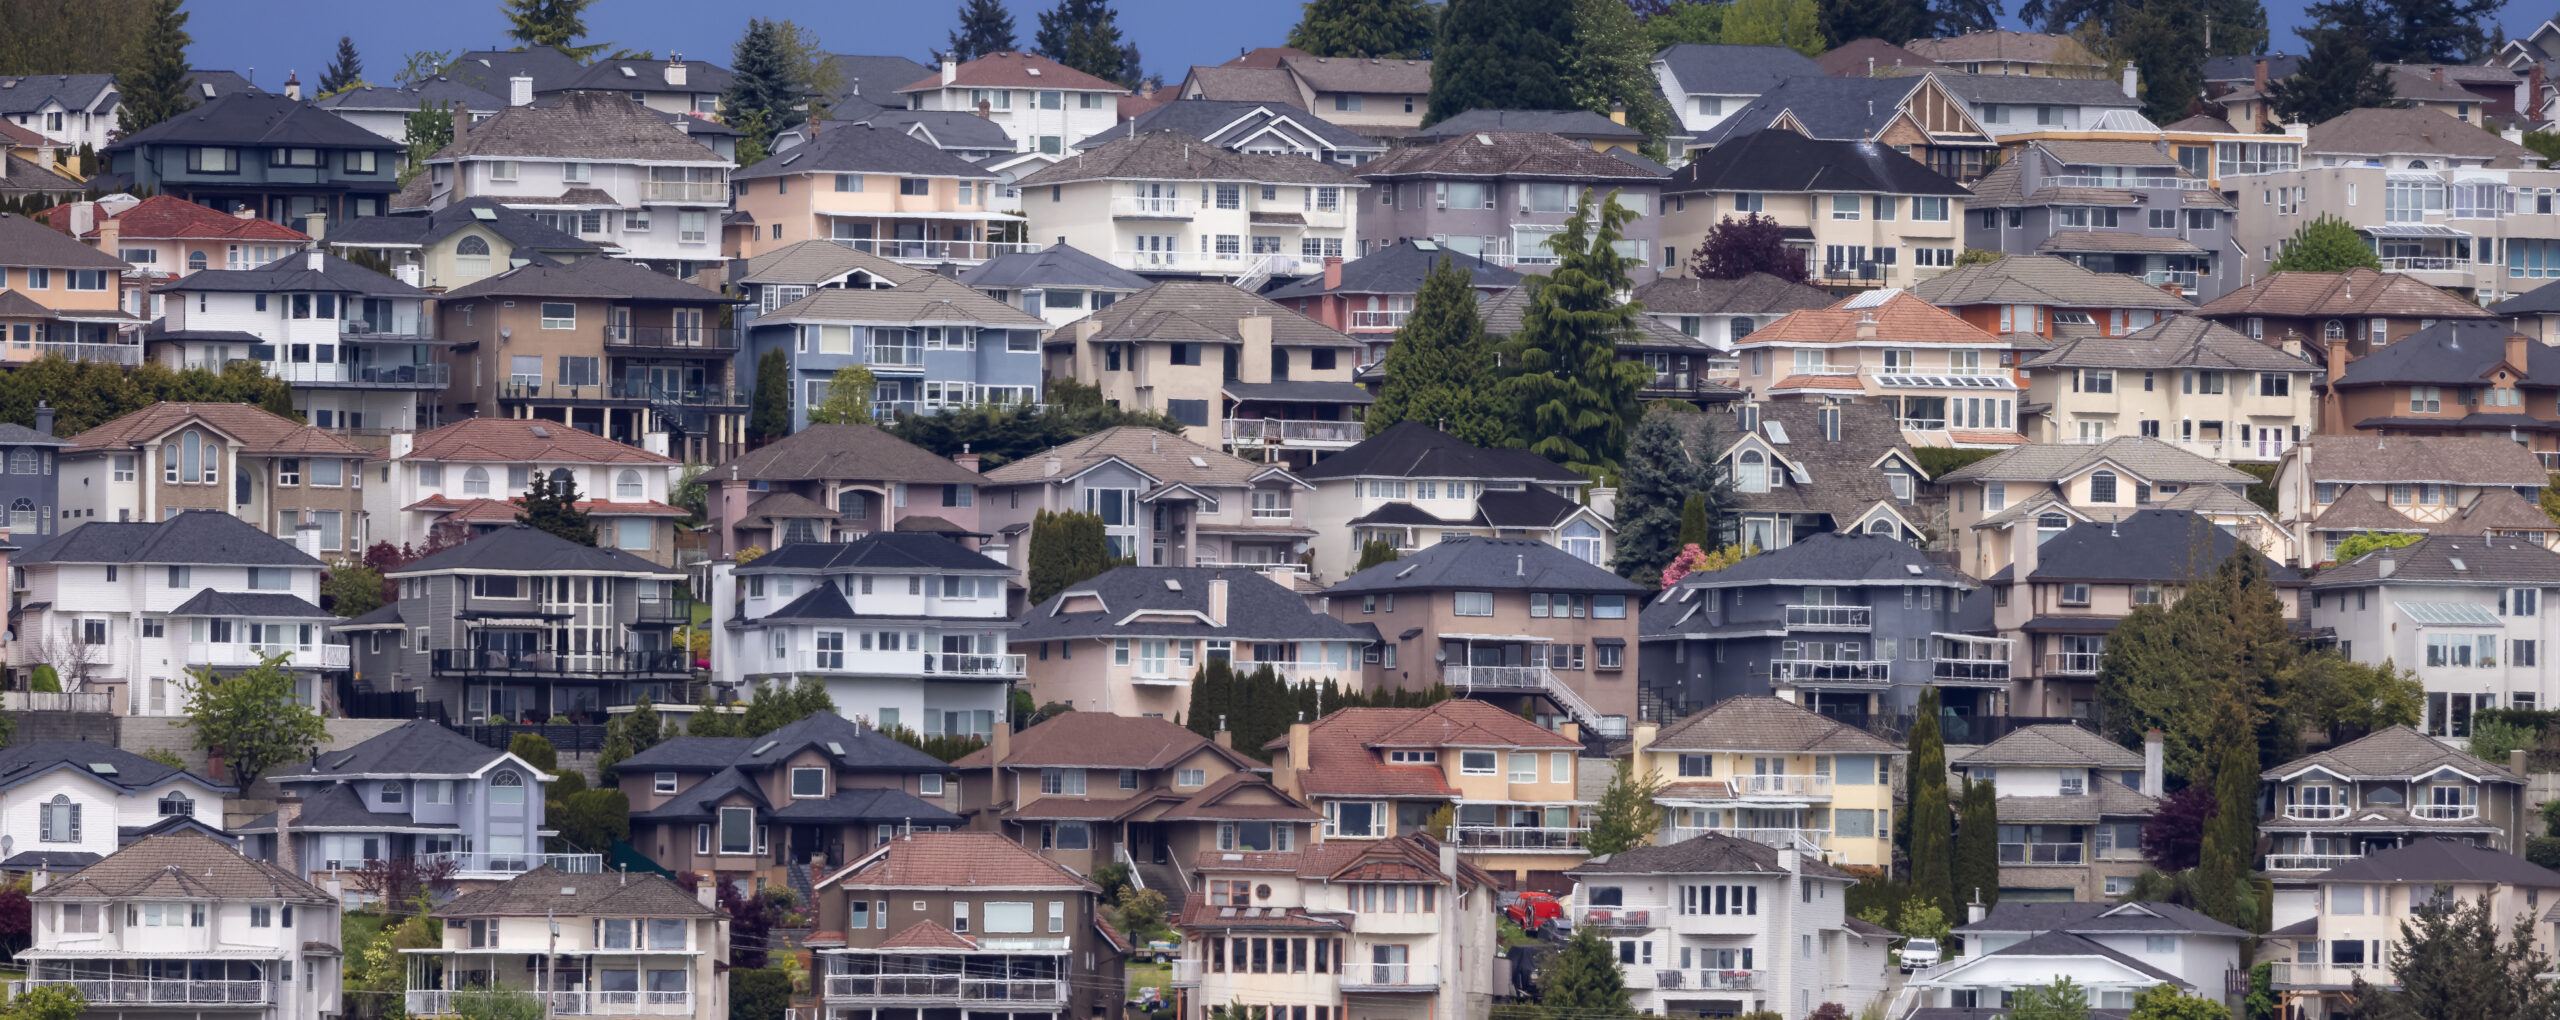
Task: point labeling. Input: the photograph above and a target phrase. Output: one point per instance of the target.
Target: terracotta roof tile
(954, 859)
(521, 440)
(1343, 756)
(1900, 318)
(167, 216)
(260, 431)
(927, 935)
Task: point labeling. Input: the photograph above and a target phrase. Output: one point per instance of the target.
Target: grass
(1158, 976)
(1513, 937)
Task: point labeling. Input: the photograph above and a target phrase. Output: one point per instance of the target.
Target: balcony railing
(497, 662)
(521, 389)
(1499, 837)
(1706, 980)
(438, 1002)
(512, 864)
(1510, 678)
(1969, 671)
(1849, 272)
(1636, 916)
(2123, 181)
(1832, 671)
(2446, 812)
(950, 664)
(1856, 618)
(1215, 262)
(155, 991)
(1783, 839)
(934, 251)
(433, 375)
(1391, 318)
(2072, 663)
(949, 987)
(2424, 264)
(708, 192)
(2043, 853)
(1148, 206)
(247, 655)
(2186, 280)
(1291, 432)
(711, 338)
(2309, 862)
(1781, 786)
(2315, 812)
(111, 354)
(1390, 977)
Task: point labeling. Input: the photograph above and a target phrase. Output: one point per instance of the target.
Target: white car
(1919, 953)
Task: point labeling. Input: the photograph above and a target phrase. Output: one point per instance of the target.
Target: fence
(568, 739)
(56, 701)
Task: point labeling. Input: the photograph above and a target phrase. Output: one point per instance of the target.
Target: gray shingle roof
(1504, 312)
(293, 273)
(2151, 459)
(2393, 753)
(2451, 354)
(2054, 943)
(1577, 125)
(196, 538)
(1169, 155)
(430, 92)
(257, 120)
(104, 763)
(519, 548)
(823, 452)
(182, 865)
(2244, 67)
(2179, 341)
(1204, 311)
(274, 605)
(2043, 280)
(879, 551)
(2542, 300)
(2019, 88)
(586, 278)
(2431, 560)
(544, 892)
(925, 299)
(489, 70)
(865, 149)
(1852, 109)
(1477, 563)
(1765, 724)
(1784, 161)
(1257, 609)
(1058, 266)
(1506, 154)
(1711, 854)
(817, 262)
(600, 126)
(1230, 123)
(876, 78)
(1755, 293)
(1412, 449)
(29, 93)
(2053, 744)
(2383, 131)
(414, 747)
(1398, 269)
(1830, 558)
(29, 242)
(2440, 860)
(431, 227)
(944, 129)
(2103, 918)
(1720, 70)
(609, 76)
(1841, 478)
(2146, 545)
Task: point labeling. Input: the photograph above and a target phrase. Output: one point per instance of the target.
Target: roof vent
(1172, 584)
(1400, 575)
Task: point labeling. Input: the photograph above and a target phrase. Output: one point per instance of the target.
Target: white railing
(112, 354)
(1706, 980)
(1783, 839)
(2308, 862)
(952, 987)
(922, 250)
(1634, 916)
(1418, 977)
(2185, 279)
(1846, 370)
(897, 356)
(1260, 568)
(1831, 671)
(2446, 812)
(2043, 853)
(2424, 264)
(1186, 973)
(1392, 318)
(713, 192)
(438, 1002)
(2315, 812)
(1272, 513)
(1499, 837)
(1781, 786)
(948, 664)
(1967, 670)
(1215, 262)
(56, 701)
(240, 654)
(2072, 663)
(511, 864)
(155, 991)
(1516, 678)
(1152, 205)
(1536, 258)
(1857, 618)
(1265, 431)
(2123, 181)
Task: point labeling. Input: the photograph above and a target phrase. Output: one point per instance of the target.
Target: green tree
(1376, 552)
(2239, 27)
(814, 71)
(1893, 21)
(1440, 371)
(536, 750)
(1085, 35)
(776, 706)
(1932, 851)
(2337, 693)
(755, 134)
(1000, 433)
(1698, 517)
(555, 509)
(1065, 548)
(2064, 999)
(46, 1002)
(2225, 637)
(351, 589)
(554, 23)
(1977, 853)
(1735, 248)
(593, 820)
(2260, 1003)
(346, 69)
(1391, 29)
(152, 79)
(420, 65)
(46, 680)
(1627, 816)
(2356, 545)
(770, 417)
(849, 395)
(2454, 962)
(633, 733)
(709, 721)
(1581, 980)
(2166, 40)
(2412, 31)
(2327, 244)
(1661, 478)
(1957, 17)
(1609, 65)
(1500, 55)
(985, 27)
(762, 93)
(67, 36)
(1979, 256)
(1574, 399)
(1921, 919)
(2340, 73)
(756, 993)
(2231, 837)
(1686, 22)
(426, 132)
(1794, 24)
(255, 718)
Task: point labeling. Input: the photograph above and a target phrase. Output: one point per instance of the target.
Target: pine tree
(1893, 21)
(1661, 478)
(554, 23)
(1581, 980)
(2231, 837)
(1932, 858)
(1500, 55)
(1085, 35)
(555, 509)
(346, 70)
(1609, 66)
(2327, 244)
(985, 27)
(1626, 816)
(1065, 548)
(2239, 27)
(1957, 17)
(1439, 371)
(2339, 74)
(1977, 866)
(1392, 29)
(1373, 553)
(1697, 518)
(1574, 400)
(2165, 39)
(153, 77)
(1735, 248)
(770, 416)
(2411, 31)
(762, 94)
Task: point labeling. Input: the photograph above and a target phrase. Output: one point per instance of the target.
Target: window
(664, 782)
(808, 782)
(507, 787)
(59, 820)
(1190, 777)
(1929, 210)
(1524, 768)
(2075, 594)
(2275, 384)
(2426, 399)
(1355, 818)
(1844, 207)
(1062, 782)
(559, 315)
(1473, 603)
(1476, 763)
(1697, 766)
(737, 830)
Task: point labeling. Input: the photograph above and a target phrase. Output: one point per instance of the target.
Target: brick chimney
(2438, 75)
(288, 812)
(1332, 272)
(966, 459)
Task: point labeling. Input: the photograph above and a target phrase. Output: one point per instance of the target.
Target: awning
(2411, 230)
(917, 215)
(2448, 614)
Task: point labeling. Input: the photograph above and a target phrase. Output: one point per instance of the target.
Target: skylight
(1199, 461)
(763, 747)
(1912, 568)
(1171, 584)
(835, 748)
(102, 768)
(484, 213)
(627, 72)
(2457, 563)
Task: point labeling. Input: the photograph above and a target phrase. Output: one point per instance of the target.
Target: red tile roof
(941, 859)
(1010, 70)
(165, 216)
(18, 137)
(1900, 318)
(521, 440)
(1343, 757)
(927, 935)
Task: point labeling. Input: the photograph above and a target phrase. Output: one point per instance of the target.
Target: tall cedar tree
(1977, 865)
(1500, 55)
(1065, 548)
(2224, 637)
(1439, 371)
(763, 98)
(1735, 248)
(1574, 398)
(1610, 65)
(1085, 35)
(2413, 31)
(346, 69)
(555, 509)
(1661, 474)
(153, 77)
(1698, 525)
(1891, 20)
(2165, 39)
(1932, 855)
(2339, 74)
(2231, 838)
(985, 27)
(2327, 244)
(769, 415)
(2239, 28)
(1396, 29)
(1373, 553)
(554, 23)
(1627, 815)
(2455, 963)
(1581, 980)
(1957, 17)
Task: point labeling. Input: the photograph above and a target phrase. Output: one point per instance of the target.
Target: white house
(1707, 82)
(2195, 951)
(1044, 105)
(64, 804)
(73, 109)
(2462, 611)
(601, 167)
(588, 945)
(444, 476)
(354, 344)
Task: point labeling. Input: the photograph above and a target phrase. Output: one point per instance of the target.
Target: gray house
(1059, 283)
(1500, 195)
(281, 159)
(2111, 206)
(929, 342)
(1252, 127)
(1852, 625)
(420, 791)
(29, 487)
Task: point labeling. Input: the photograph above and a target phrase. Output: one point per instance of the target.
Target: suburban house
(1598, 132)
(2481, 487)
(1250, 126)
(597, 166)
(1721, 313)
(2052, 486)
(1279, 387)
(783, 274)
(2363, 904)
(2235, 399)
(1945, 380)
(1412, 486)
(54, 786)
(1502, 196)
(461, 243)
(59, 296)
(781, 807)
(1059, 283)
(385, 109)
(266, 469)
(1853, 208)
(929, 342)
(1916, 115)
(1776, 773)
(29, 485)
(1658, 344)
(2454, 378)
(276, 156)
(628, 945)
(833, 483)
(430, 484)
(2071, 805)
(1871, 57)
(164, 237)
(1805, 469)
(2354, 311)
(2116, 950)
(2048, 297)
(497, 72)
(949, 921)
(2009, 105)
(355, 345)
(1705, 82)
(1377, 97)
(2389, 789)
(874, 189)
(69, 110)
(1370, 297)
(1043, 104)
(1147, 632)
(2112, 206)
(1167, 203)
(674, 86)
(1164, 502)
(419, 791)
(2463, 612)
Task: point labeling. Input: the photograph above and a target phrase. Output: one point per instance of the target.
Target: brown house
(2461, 378)
(271, 471)
(939, 922)
(2359, 309)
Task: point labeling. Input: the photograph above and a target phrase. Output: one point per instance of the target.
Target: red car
(1533, 910)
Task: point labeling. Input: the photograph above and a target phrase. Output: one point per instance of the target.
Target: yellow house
(1240, 371)
(58, 295)
(874, 189)
(1769, 770)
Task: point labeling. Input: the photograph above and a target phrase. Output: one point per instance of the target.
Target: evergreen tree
(1391, 29)
(2231, 838)
(555, 509)
(1373, 553)
(2327, 244)
(2457, 962)
(762, 94)
(2165, 39)
(1581, 980)
(1894, 21)
(1957, 17)
(1627, 816)
(1685, 22)
(153, 77)
(1574, 399)
(1500, 55)
(1932, 856)
(1697, 518)
(2224, 638)
(1661, 477)
(2239, 28)
(709, 721)
(2339, 74)
(554, 23)
(1609, 65)
(346, 70)
(1085, 35)
(1794, 24)
(985, 27)
(1735, 248)
(2411, 31)
(1065, 548)
(1439, 370)
(1977, 865)
(770, 416)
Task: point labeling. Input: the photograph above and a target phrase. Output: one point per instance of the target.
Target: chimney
(1973, 911)
(1618, 114)
(1570, 731)
(84, 218)
(1449, 864)
(1332, 272)
(110, 230)
(1218, 601)
(520, 90)
(2262, 76)
(292, 85)
(950, 71)
(316, 224)
(2132, 82)
(2387, 567)
(2531, 108)
(1225, 737)
(1866, 325)
(1750, 416)
(2438, 74)
(311, 258)
(1789, 860)
(1298, 746)
(707, 893)
(306, 537)
(999, 749)
(2516, 352)
(1050, 466)
(2151, 763)
(986, 110)
(288, 811)
(675, 72)
(44, 417)
(967, 460)
(2517, 762)
(1604, 501)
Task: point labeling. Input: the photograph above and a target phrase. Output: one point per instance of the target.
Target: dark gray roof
(27, 241)
(2244, 67)
(1056, 267)
(273, 605)
(1574, 124)
(293, 273)
(2103, 918)
(1830, 558)
(856, 805)
(947, 129)
(49, 860)
(1477, 563)
(836, 452)
(691, 754)
(428, 228)
(2544, 300)
(875, 79)
(1412, 449)
(2019, 88)
(819, 604)
(702, 800)
(2431, 560)
(13, 434)
(1711, 854)
(1257, 608)
(2430, 861)
(411, 748)
(1398, 269)
(862, 148)
(864, 749)
(1229, 123)
(194, 538)
(104, 763)
(1754, 293)
(1853, 109)
(28, 93)
(588, 278)
(545, 892)
(736, 761)
(627, 76)
(922, 552)
(1841, 478)
(489, 70)
(2146, 545)
(338, 806)
(2451, 354)
(1780, 160)
(428, 92)
(1712, 69)
(519, 548)
(258, 119)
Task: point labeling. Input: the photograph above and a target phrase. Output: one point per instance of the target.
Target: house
(2007, 104)
(2115, 951)
(385, 109)
(902, 628)
(163, 237)
(1705, 82)
(2472, 609)
(2411, 136)
(429, 483)
(2236, 400)
(30, 487)
(1279, 386)
(59, 296)
(355, 346)
(2034, 54)
(2365, 904)
(1916, 115)
(2243, 88)
(1381, 773)
(1431, 957)
(1164, 502)
(806, 797)
(831, 483)
(2053, 486)
(684, 87)
(1719, 925)
(461, 243)
(597, 166)
(2048, 298)
(871, 80)
(1169, 203)
(495, 71)
(282, 159)
(2464, 377)
(2329, 488)
(1041, 103)
(1674, 356)
(632, 355)
(523, 624)
(1850, 208)
(1872, 58)
(1802, 469)
(53, 786)
(2536, 312)
(1148, 631)
(268, 470)
(238, 952)
(873, 188)
(70, 110)
(961, 133)
(1870, 349)
(1597, 132)
(1060, 283)
(2205, 145)
(2353, 311)
(1371, 296)
(1816, 622)
(2112, 206)
(1514, 633)
(953, 920)
(418, 791)
(929, 342)
(1378, 97)
(633, 945)
(35, 171)
(1245, 126)
(2388, 789)
(1777, 773)
(1503, 195)
(2071, 805)
(781, 275)
(1720, 312)
(1413, 486)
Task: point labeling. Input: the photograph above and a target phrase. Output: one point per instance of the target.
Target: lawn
(1158, 976)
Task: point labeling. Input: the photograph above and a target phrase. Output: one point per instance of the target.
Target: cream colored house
(1865, 216)
(1131, 641)
(1165, 202)
(1239, 371)
(2363, 904)
(604, 946)
(1946, 381)
(2192, 384)
(1774, 772)
(1999, 502)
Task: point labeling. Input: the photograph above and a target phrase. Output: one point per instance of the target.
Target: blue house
(280, 158)
(418, 792)
(930, 343)
(27, 480)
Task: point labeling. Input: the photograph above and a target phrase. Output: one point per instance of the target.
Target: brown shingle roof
(1844, 481)
(923, 299)
(2364, 508)
(954, 859)
(1757, 293)
(926, 935)
(602, 126)
(1203, 311)
(1013, 70)
(2355, 292)
(1754, 723)
(2114, 240)
(1506, 154)
(1857, 58)
(184, 864)
(2179, 341)
(1900, 318)
(822, 452)
(2054, 744)
(547, 891)
(1169, 155)
(1105, 741)
(259, 431)
(27, 242)
(2461, 460)
(2499, 509)
(2106, 799)
(2036, 47)
(602, 278)
(1162, 455)
(524, 441)
(1245, 84)
(2387, 130)
(2395, 753)
(2042, 280)
(1362, 74)
(814, 261)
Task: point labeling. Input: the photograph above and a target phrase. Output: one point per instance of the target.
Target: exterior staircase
(797, 875)
(1164, 878)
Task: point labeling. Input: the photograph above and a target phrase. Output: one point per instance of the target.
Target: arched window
(475, 482)
(626, 486)
(2417, 164)
(195, 261)
(506, 787)
(471, 245)
(395, 791)
(2333, 330)
(2049, 525)
(176, 805)
(1582, 541)
(854, 503)
(23, 461)
(191, 449)
(562, 479)
(2102, 487)
(1880, 527)
(61, 820)
(1751, 472)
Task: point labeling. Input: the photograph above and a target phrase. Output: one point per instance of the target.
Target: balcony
(704, 338)
(1851, 274)
(156, 991)
(1702, 980)
(1214, 263)
(685, 192)
(1783, 839)
(2445, 812)
(2308, 862)
(1969, 671)
(2315, 812)
(2072, 663)
(1153, 207)
(245, 656)
(944, 988)
(1290, 432)
(1489, 838)
(1860, 619)
(486, 863)
(1628, 918)
(2186, 280)
(438, 1002)
(467, 662)
(109, 354)
(1841, 672)
(1502, 678)
(523, 389)
(431, 377)
(2043, 853)
(1390, 318)
(947, 664)
(934, 251)
(2425, 264)
(1792, 787)
(1390, 977)
(2121, 181)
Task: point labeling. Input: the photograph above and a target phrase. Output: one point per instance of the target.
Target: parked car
(1533, 910)
(1919, 953)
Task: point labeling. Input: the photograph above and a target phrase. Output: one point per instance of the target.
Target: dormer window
(393, 792)
(177, 805)
(811, 782)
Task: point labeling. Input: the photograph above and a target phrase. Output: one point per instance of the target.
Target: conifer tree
(1085, 35)
(1627, 815)
(2231, 837)
(1661, 477)
(2338, 74)
(554, 23)
(1977, 867)
(769, 417)
(1439, 371)
(555, 509)
(1065, 548)
(1582, 981)
(1696, 517)
(1373, 553)
(1932, 858)
(1387, 29)
(346, 70)
(1609, 66)
(1574, 400)
(153, 78)
(1500, 55)
(763, 98)
(985, 27)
